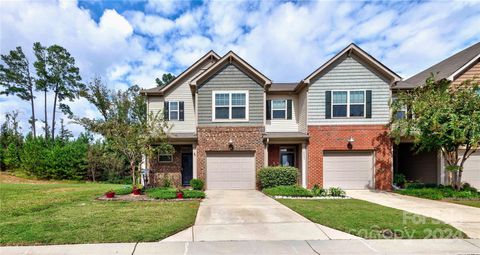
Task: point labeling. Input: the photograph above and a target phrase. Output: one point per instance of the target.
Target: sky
(133, 42)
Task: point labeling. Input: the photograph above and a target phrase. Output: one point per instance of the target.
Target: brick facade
(217, 139)
(334, 137)
(171, 170)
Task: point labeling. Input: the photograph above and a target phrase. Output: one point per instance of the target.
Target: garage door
(231, 170)
(348, 170)
(471, 170)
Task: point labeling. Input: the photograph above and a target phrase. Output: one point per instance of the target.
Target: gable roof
(448, 68)
(283, 87)
(354, 49)
(229, 58)
(211, 55)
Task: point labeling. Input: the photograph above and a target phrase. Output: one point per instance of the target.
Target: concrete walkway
(240, 215)
(464, 218)
(439, 246)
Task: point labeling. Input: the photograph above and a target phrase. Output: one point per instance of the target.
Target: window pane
(174, 106)
(279, 114)
(400, 115)
(238, 99)
(339, 97)
(357, 110)
(278, 104)
(288, 159)
(221, 112)
(357, 97)
(174, 115)
(339, 111)
(238, 112)
(221, 99)
(165, 158)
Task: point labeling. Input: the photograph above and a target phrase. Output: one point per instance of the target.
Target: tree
(41, 84)
(11, 142)
(16, 79)
(64, 135)
(442, 117)
(57, 72)
(97, 93)
(130, 130)
(166, 79)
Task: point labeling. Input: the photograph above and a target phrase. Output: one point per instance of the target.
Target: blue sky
(133, 42)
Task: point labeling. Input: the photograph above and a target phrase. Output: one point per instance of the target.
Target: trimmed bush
(277, 176)
(319, 192)
(162, 193)
(193, 194)
(336, 192)
(291, 191)
(196, 184)
(125, 190)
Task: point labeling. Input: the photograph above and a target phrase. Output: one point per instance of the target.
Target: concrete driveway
(227, 215)
(464, 218)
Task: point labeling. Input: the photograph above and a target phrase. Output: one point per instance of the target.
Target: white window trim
(271, 110)
(230, 92)
(169, 161)
(348, 105)
(170, 110)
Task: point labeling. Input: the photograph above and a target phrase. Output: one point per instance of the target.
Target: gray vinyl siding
(230, 78)
(349, 73)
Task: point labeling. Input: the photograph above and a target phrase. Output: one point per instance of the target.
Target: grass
(371, 221)
(474, 203)
(65, 213)
(468, 196)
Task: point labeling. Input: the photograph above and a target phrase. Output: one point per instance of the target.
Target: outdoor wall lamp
(230, 144)
(351, 140)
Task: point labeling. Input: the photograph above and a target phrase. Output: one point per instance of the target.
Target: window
(287, 156)
(348, 103)
(400, 114)
(173, 112)
(165, 158)
(279, 109)
(230, 105)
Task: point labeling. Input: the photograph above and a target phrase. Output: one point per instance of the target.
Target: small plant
(125, 190)
(319, 192)
(167, 183)
(289, 191)
(179, 194)
(277, 176)
(196, 184)
(336, 192)
(162, 193)
(399, 179)
(110, 194)
(193, 194)
(137, 189)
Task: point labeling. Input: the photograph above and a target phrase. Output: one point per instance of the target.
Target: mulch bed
(131, 197)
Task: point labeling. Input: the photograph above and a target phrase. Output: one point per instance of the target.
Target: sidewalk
(438, 246)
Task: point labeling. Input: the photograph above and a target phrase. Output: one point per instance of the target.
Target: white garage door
(348, 170)
(231, 170)
(471, 170)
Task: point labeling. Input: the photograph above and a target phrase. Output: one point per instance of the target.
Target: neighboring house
(428, 167)
(229, 120)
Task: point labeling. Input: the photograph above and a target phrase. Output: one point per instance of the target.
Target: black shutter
(289, 109)
(165, 110)
(328, 104)
(369, 104)
(269, 109)
(181, 112)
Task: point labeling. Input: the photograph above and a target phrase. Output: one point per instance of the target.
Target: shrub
(162, 193)
(468, 187)
(291, 191)
(439, 193)
(399, 179)
(166, 182)
(319, 192)
(277, 176)
(196, 184)
(125, 190)
(193, 194)
(336, 192)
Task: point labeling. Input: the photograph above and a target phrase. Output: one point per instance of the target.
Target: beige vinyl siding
(349, 73)
(302, 110)
(181, 92)
(284, 125)
(472, 73)
(230, 78)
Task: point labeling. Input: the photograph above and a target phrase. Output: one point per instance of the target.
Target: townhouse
(229, 120)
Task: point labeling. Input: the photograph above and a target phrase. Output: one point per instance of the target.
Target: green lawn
(474, 203)
(61, 213)
(370, 221)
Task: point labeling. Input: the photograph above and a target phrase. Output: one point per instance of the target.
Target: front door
(187, 168)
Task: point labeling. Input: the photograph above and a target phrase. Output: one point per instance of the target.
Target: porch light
(351, 140)
(230, 144)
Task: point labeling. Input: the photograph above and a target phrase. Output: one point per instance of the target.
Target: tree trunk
(33, 114)
(132, 168)
(46, 120)
(53, 114)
